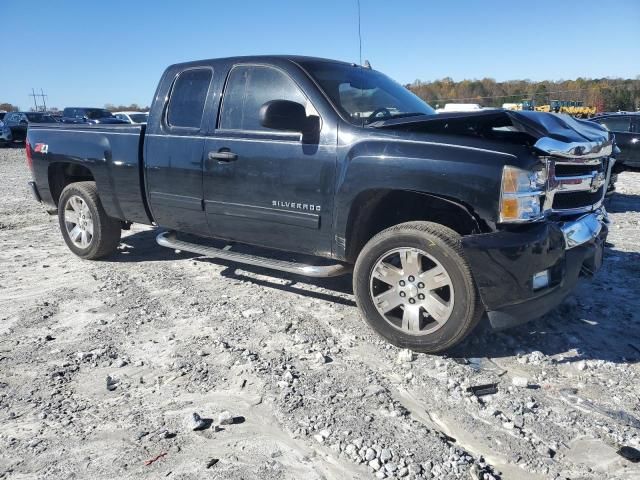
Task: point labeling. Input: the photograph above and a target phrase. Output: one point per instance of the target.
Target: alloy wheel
(78, 221)
(412, 291)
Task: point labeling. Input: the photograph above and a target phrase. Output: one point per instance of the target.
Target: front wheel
(86, 228)
(414, 287)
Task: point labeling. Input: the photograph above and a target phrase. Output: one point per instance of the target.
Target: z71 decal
(41, 148)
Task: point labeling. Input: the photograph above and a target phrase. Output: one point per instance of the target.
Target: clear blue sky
(89, 53)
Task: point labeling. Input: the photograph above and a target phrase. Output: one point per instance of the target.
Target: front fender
(465, 175)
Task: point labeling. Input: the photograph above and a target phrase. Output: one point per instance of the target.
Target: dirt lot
(102, 365)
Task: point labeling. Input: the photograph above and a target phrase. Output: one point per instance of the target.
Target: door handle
(223, 155)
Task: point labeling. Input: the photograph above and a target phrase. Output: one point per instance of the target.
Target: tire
(103, 238)
(448, 289)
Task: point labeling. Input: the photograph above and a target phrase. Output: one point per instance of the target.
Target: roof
(267, 59)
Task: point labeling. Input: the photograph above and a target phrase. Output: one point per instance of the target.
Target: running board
(169, 240)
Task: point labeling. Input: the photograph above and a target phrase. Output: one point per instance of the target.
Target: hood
(549, 133)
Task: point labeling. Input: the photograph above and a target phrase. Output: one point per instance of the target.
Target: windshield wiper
(410, 114)
(383, 121)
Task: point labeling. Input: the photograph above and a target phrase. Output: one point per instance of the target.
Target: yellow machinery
(575, 109)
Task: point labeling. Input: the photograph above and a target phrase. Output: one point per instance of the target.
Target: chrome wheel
(412, 291)
(78, 221)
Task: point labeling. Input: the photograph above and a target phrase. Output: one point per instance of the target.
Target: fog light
(541, 280)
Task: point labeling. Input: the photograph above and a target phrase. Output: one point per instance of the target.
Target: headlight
(520, 194)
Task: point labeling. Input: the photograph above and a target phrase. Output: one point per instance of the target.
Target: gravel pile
(157, 365)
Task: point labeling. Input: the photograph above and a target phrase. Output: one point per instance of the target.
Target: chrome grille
(576, 185)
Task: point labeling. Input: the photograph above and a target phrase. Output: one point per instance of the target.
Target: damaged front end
(533, 269)
(551, 222)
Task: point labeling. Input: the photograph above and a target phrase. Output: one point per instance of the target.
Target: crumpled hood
(553, 134)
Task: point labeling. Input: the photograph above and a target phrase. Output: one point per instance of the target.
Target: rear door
(173, 154)
(267, 187)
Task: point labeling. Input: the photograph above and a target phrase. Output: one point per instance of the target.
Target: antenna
(359, 34)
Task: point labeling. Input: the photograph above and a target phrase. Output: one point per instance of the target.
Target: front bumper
(503, 265)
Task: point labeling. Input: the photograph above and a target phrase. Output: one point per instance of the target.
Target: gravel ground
(103, 365)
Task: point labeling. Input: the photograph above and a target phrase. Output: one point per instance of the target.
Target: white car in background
(462, 107)
(132, 117)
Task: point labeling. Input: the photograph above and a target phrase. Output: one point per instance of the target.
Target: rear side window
(248, 88)
(188, 97)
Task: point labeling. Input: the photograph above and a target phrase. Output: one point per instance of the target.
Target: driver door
(262, 186)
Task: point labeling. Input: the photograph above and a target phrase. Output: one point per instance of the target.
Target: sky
(89, 53)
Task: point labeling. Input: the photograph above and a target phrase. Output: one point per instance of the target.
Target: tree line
(606, 94)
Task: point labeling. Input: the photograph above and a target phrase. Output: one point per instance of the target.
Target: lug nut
(402, 283)
(411, 278)
(421, 296)
(421, 285)
(402, 294)
(412, 300)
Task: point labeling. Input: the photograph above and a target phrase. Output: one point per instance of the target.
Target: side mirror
(283, 115)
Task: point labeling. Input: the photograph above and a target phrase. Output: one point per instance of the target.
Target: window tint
(363, 95)
(188, 97)
(96, 113)
(248, 88)
(616, 124)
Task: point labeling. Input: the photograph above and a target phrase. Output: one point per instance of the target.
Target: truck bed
(113, 155)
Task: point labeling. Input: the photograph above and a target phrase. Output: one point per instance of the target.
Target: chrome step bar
(169, 240)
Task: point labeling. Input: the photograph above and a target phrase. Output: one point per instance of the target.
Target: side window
(188, 96)
(248, 88)
(616, 124)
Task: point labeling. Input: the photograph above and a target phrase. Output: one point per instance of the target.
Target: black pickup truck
(441, 217)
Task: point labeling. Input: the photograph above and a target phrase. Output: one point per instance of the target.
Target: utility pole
(35, 102)
(35, 96)
(44, 103)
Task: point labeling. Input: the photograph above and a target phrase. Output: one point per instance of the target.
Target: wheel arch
(61, 174)
(375, 210)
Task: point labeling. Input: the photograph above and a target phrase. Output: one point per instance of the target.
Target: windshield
(96, 113)
(138, 117)
(40, 118)
(364, 96)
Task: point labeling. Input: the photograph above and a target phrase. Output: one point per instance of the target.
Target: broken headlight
(520, 194)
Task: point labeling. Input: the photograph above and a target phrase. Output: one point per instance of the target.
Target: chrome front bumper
(584, 229)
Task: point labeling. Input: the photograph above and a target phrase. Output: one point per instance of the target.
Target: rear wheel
(414, 287)
(86, 228)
